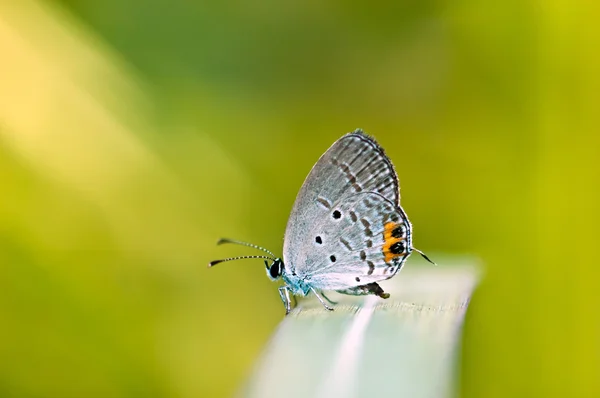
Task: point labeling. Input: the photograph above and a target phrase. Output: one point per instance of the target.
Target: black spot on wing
(398, 232)
(397, 248)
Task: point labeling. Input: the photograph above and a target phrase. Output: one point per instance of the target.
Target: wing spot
(392, 246)
(351, 177)
(398, 232)
(336, 214)
(353, 216)
(357, 279)
(363, 255)
(324, 202)
(346, 170)
(371, 267)
(397, 248)
(332, 258)
(369, 243)
(318, 240)
(346, 244)
(364, 222)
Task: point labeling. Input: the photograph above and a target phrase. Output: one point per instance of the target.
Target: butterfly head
(275, 269)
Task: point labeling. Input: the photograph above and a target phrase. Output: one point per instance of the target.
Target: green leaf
(406, 345)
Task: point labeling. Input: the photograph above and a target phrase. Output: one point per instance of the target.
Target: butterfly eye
(276, 269)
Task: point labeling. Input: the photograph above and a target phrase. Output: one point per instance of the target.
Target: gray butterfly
(346, 231)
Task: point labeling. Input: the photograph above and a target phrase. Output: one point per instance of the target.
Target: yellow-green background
(133, 134)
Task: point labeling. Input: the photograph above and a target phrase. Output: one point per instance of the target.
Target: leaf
(403, 346)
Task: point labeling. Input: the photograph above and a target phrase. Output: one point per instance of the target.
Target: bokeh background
(134, 134)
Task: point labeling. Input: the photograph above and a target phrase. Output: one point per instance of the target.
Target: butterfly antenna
(215, 262)
(237, 242)
(424, 255)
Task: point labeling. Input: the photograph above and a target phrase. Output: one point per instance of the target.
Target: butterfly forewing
(352, 169)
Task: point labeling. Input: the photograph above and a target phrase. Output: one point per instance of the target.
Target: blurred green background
(134, 134)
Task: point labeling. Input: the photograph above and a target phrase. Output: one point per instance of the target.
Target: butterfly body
(346, 231)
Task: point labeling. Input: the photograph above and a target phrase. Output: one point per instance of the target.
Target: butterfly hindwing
(363, 238)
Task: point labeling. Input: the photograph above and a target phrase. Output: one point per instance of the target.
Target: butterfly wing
(365, 238)
(353, 170)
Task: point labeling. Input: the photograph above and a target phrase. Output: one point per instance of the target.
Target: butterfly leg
(321, 300)
(328, 299)
(284, 293)
(370, 288)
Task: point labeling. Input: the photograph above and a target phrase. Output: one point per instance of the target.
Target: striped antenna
(215, 262)
(237, 242)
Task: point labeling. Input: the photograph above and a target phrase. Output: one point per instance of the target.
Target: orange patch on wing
(389, 240)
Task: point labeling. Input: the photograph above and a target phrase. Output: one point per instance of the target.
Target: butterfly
(346, 231)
